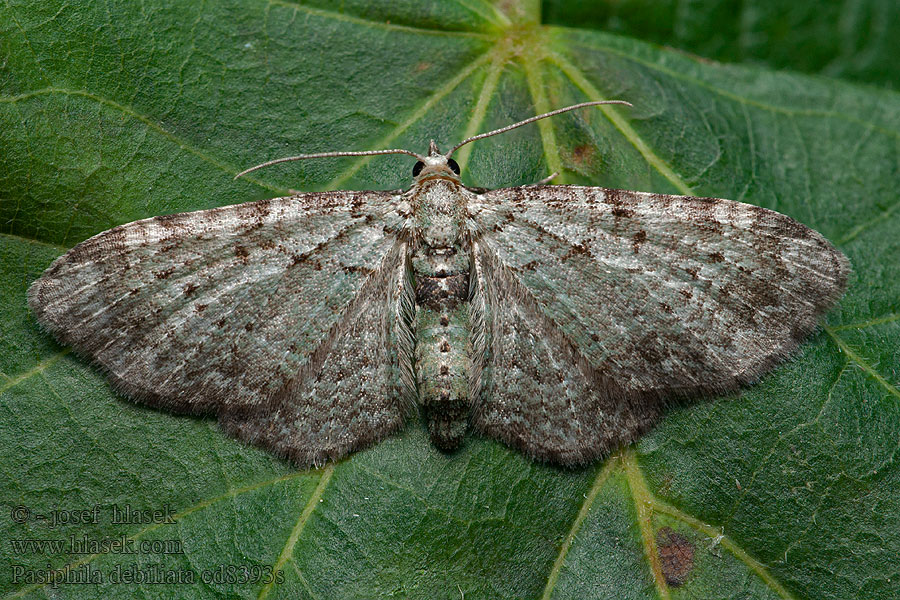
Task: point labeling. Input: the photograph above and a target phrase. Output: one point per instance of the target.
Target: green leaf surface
(111, 112)
(855, 39)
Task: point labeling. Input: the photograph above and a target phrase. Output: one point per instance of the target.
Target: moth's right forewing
(215, 309)
(672, 293)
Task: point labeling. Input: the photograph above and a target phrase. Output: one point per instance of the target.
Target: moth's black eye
(453, 166)
(418, 168)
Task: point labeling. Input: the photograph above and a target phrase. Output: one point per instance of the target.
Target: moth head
(435, 164)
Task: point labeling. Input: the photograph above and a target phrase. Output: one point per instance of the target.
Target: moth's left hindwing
(599, 304)
(219, 311)
(357, 388)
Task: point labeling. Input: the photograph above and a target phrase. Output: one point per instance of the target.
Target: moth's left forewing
(659, 295)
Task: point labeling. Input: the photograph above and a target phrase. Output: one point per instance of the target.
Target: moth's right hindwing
(536, 393)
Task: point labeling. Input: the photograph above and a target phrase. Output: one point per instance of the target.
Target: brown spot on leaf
(583, 154)
(241, 252)
(716, 257)
(622, 212)
(676, 556)
(190, 288)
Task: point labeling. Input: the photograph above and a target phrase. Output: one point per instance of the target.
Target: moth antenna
(532, 120)
(328, 155)
(547, 179)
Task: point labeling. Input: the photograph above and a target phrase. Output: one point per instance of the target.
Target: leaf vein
(288, 549)
(644, 504)
(599, 481)
(35, 370)
(861, 362)
(330, 14)
(855, 231)
(191, 509)
(889, 318)
(416, 116)
(741, 99)
(756, 566)
(582, 82)
(182, 144)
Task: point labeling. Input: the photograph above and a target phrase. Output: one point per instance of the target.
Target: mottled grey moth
(556, 319)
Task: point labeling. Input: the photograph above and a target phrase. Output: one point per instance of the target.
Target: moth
(558, 319)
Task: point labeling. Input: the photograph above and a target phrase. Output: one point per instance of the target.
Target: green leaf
(854, 40)
(116, 112)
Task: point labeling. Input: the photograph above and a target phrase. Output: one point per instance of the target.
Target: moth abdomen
(443, 350)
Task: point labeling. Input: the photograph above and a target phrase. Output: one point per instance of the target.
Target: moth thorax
(440, 213)
(440, 261)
